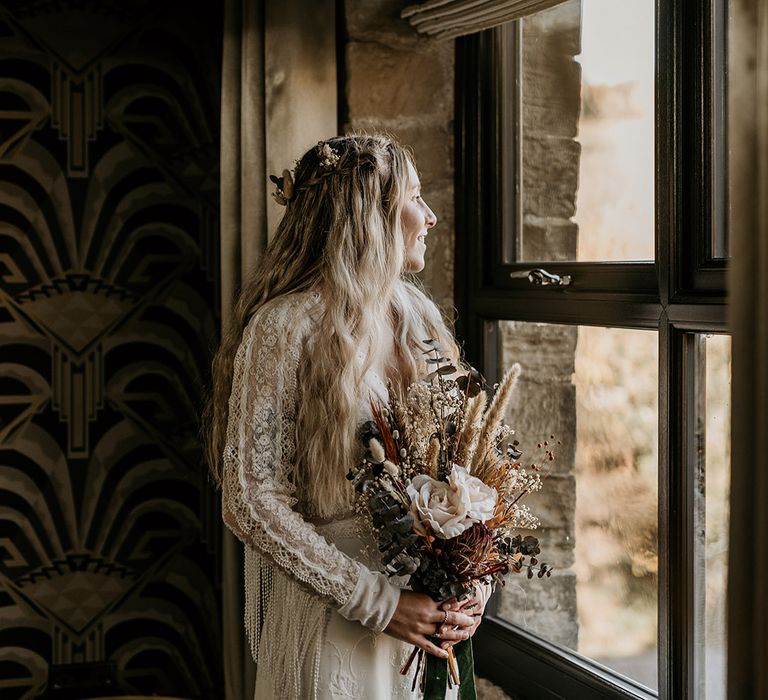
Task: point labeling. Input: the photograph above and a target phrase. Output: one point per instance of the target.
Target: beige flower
(447, 508)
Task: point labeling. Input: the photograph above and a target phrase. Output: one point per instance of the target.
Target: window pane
(714, 433)
(595, 390)
(587, 133)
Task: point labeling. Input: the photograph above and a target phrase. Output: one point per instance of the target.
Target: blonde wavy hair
(341, 235)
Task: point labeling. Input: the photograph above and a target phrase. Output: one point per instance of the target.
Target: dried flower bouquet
(444, 497)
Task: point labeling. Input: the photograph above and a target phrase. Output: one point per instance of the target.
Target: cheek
(410, 221)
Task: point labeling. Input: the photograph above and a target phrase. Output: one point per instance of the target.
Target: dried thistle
(467, 554)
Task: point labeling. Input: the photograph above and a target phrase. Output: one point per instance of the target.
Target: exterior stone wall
(402, 84)
(551, 107)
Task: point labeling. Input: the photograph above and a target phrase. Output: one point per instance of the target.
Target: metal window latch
(541, 278)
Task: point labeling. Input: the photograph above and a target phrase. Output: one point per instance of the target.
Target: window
(593, 219)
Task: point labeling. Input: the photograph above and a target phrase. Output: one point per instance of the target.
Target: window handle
(541, 278)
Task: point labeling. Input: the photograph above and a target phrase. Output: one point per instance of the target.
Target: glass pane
(595, 390)
(714, 428)
(587, 132)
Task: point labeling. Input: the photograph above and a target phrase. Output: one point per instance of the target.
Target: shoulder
(286, 318)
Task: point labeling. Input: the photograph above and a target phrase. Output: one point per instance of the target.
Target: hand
(418, 617)
(473, 605)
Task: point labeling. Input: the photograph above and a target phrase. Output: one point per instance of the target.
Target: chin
(415, 266)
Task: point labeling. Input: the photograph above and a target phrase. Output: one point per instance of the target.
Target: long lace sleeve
(258, 502)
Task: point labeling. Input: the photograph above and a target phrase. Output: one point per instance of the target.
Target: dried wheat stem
(470, 429)
(432, 457)
(495, 414)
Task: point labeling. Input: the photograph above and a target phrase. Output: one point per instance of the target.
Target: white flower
(480, 498)
(446, 509)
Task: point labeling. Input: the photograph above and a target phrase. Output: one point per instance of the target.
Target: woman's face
(417, 218)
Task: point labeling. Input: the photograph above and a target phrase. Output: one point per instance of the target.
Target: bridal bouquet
(443, 487)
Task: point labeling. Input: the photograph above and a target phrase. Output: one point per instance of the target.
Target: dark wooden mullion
(636, 277)
(615, 312)
(700, 142)
(666, 515)
(707, 318)
(677, 473)
(720, 126)
(468, 203)
(690, 132)
(511, 140)
(696, 349)
(667, 167)
(491, 186)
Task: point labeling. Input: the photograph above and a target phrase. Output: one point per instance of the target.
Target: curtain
(446, 19)
(748, 565)
(243, 238)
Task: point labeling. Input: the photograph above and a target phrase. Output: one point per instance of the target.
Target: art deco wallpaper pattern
(108, 312)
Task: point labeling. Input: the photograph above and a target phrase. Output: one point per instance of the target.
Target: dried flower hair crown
(285, 187)
(329, 159)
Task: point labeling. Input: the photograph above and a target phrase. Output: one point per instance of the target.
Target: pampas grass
(483, 457)
(470, 430)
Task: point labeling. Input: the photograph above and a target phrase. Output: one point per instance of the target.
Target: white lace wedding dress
(315, 603)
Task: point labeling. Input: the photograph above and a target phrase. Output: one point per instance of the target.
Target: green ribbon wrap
(436, 673)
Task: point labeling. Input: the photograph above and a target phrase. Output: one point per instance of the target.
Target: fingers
(418, 618)
(454, 635)
(467, 603)
(430, 648)
(459, 619)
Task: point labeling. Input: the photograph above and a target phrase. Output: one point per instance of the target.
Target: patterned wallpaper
(108, 313)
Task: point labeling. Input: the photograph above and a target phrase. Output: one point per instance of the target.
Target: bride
(330, 317)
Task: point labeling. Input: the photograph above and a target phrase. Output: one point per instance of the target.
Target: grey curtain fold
(446, 19)
(748, 565)
(243, 238)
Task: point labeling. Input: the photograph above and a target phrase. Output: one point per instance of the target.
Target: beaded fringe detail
(286, 626)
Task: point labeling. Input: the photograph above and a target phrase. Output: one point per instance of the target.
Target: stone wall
(402, 84)
(551, 107)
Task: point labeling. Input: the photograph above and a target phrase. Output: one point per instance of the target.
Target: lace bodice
(258, 500)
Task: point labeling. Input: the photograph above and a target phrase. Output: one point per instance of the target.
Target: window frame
(681, 293)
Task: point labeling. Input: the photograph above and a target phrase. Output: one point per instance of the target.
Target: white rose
(446, 509)
(480, 499)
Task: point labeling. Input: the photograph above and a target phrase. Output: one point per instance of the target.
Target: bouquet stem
(435, 675)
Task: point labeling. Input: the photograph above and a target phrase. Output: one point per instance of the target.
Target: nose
(431, 219)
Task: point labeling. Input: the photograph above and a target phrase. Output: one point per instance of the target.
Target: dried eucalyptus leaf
(432, 343)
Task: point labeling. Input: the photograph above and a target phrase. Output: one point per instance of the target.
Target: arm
(257, 498)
